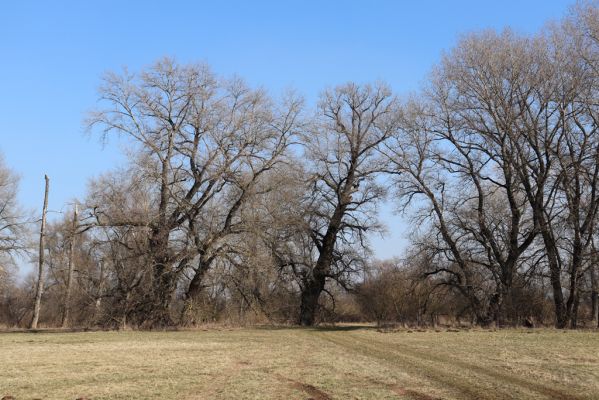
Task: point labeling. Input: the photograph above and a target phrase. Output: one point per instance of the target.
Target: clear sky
(53, 54)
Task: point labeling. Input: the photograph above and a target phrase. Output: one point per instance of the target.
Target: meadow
(352, 362)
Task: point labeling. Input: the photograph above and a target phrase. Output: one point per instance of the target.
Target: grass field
(342, 363)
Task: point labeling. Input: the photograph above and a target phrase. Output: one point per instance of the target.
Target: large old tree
(343, 165)
(202, 143)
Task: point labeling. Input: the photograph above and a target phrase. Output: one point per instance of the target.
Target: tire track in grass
(522, 383)
(432, 374)
(311, 390)
(478, 369)
(411, 393)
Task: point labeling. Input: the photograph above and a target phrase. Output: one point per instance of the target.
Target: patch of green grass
(286, 364)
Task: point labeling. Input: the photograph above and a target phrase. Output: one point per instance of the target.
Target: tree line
(236, 205)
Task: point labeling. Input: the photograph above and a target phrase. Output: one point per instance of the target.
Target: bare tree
(42, 250)
(13, 230)
(204, 142)
(343, 165)
(504, 150)
(264, 150)
(454, 151)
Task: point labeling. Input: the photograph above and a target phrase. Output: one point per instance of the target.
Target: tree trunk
(495, 308)
(155, 313)
(561, 319)
(506, 306)
(164, 287)
(100, 288)
(313, 287)
(195, 285)
(40, 272)
(594, 297)
(315, 282)
(67, 297)
(192, 294)
(561, 315)
(573, 312)
(574, 297)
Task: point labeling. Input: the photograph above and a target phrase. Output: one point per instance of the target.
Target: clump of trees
(499, 157)
(236, 206)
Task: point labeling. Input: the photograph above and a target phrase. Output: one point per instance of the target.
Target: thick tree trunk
(314, 283)
(573, 312)
(40, 272)
(495, 307)
(506, 311)
(501, 304)
(313, 287)
(159, 315)
(158, 300)
(561, 315)
(67, 297)
(192, 295)
(574, 297)
(561, 318)
(163, 290)
(196, 284)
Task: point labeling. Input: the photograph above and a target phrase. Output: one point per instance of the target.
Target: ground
(324, 363)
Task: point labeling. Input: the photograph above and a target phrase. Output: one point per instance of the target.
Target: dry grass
(343, 363)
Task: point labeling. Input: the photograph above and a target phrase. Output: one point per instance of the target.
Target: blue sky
(53, 53)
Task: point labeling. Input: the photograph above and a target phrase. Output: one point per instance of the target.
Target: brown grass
(319, 364)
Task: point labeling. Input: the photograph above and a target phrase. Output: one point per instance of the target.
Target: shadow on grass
(54, 330)
(317, 328)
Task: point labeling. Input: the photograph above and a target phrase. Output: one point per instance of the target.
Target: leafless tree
(205, 142)
(13, 228)
(42, 251)
(343, 166)
(454, 152)
(503, 149)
